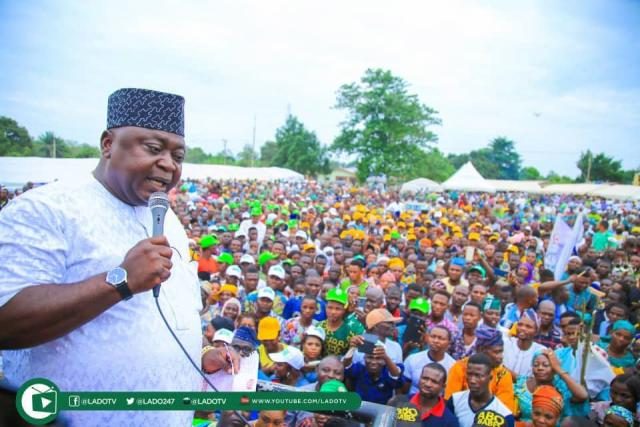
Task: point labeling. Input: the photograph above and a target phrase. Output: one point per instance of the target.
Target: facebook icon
(74, 401)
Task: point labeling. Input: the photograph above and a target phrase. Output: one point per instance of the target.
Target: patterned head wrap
(488, 337)
(530, 313)
(621, 412)
(548, 397)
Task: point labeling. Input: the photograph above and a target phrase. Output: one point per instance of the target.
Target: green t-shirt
(602, 241)
(337, 342)
(346, 283)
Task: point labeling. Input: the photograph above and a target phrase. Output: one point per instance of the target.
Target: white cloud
(487, 69)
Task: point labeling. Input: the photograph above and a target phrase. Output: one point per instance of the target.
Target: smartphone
(412, 333)
(361, 302)
(468, 253)
(369, 344)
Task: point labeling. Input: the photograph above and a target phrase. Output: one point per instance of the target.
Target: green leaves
(385, 125)
(298, 149)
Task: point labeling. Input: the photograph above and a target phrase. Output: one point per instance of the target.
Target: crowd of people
(446, 311)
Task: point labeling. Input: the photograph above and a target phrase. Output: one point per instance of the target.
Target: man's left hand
(216, 359)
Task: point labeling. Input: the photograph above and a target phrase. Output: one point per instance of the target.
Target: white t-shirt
(459, 402)
(517, 360)
(67, 232)
(414, 363)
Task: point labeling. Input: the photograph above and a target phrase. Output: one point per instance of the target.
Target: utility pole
(253, 153)
(589, 160)
(224, 151)
(53, 137)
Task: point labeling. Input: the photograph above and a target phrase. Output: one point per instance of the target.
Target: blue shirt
(292, 309)
(377, 391)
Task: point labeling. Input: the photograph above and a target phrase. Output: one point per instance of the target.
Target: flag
(562, 244)
(598, 374)
(559, 237)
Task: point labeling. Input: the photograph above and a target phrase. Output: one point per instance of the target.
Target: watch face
(116, 276)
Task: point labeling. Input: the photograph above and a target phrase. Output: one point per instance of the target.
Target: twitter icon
(130, 401)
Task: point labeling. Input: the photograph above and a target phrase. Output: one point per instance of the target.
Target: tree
(299, 149)
(505, 159)
(14, 139)
(385, 126)
(46, 143)
(268, 152)
(433, 165)
(530, 173)
(554, 178)
(602, 168)
(248, 156)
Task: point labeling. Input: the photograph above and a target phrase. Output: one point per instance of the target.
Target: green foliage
(603, 168)
(268, 152)
(299, 149)
(248, 156)
(385, 126)
(14, 139)
(554, 178)
(530, 173)
(433, 165)
(505, 159)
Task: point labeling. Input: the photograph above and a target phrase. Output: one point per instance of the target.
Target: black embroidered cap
(146, 109)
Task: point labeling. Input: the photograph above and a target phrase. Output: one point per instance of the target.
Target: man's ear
(106, 143)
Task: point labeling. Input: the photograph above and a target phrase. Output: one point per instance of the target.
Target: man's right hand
(148, 264)
(356, 341)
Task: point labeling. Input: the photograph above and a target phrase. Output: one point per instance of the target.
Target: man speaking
(79, 262)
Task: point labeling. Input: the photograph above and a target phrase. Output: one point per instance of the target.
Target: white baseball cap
(290, 355)
(245, 215)
(234, 271)
(247, 259)
(301, 234)
(223, 335)
(278, 271)
(267, 292)
(313, 331)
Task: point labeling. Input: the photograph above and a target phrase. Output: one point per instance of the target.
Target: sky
(556, 77)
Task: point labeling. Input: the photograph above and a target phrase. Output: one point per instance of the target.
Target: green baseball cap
(421, 304)
(338, 295)
(265, 257)
(207, 241)
(480, 269)
(234, 227)
(333, 386)
(225, 258)
(491, 303)
(395, 235)
(256, 211)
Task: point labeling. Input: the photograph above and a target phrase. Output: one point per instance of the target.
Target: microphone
(158, 204)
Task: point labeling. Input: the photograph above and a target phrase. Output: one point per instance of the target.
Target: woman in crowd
(547, 371)
(547, 404)
(231, 309)
(313, 350)
(617, 346)
(295, 327)
(624, 391)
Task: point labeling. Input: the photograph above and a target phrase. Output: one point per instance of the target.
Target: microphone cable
(164, 319)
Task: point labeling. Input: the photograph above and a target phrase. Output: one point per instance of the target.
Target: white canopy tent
(618, 192)
(420, 184)
(532, 187)
(20, 170)
(467, 178)
(573, 189)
